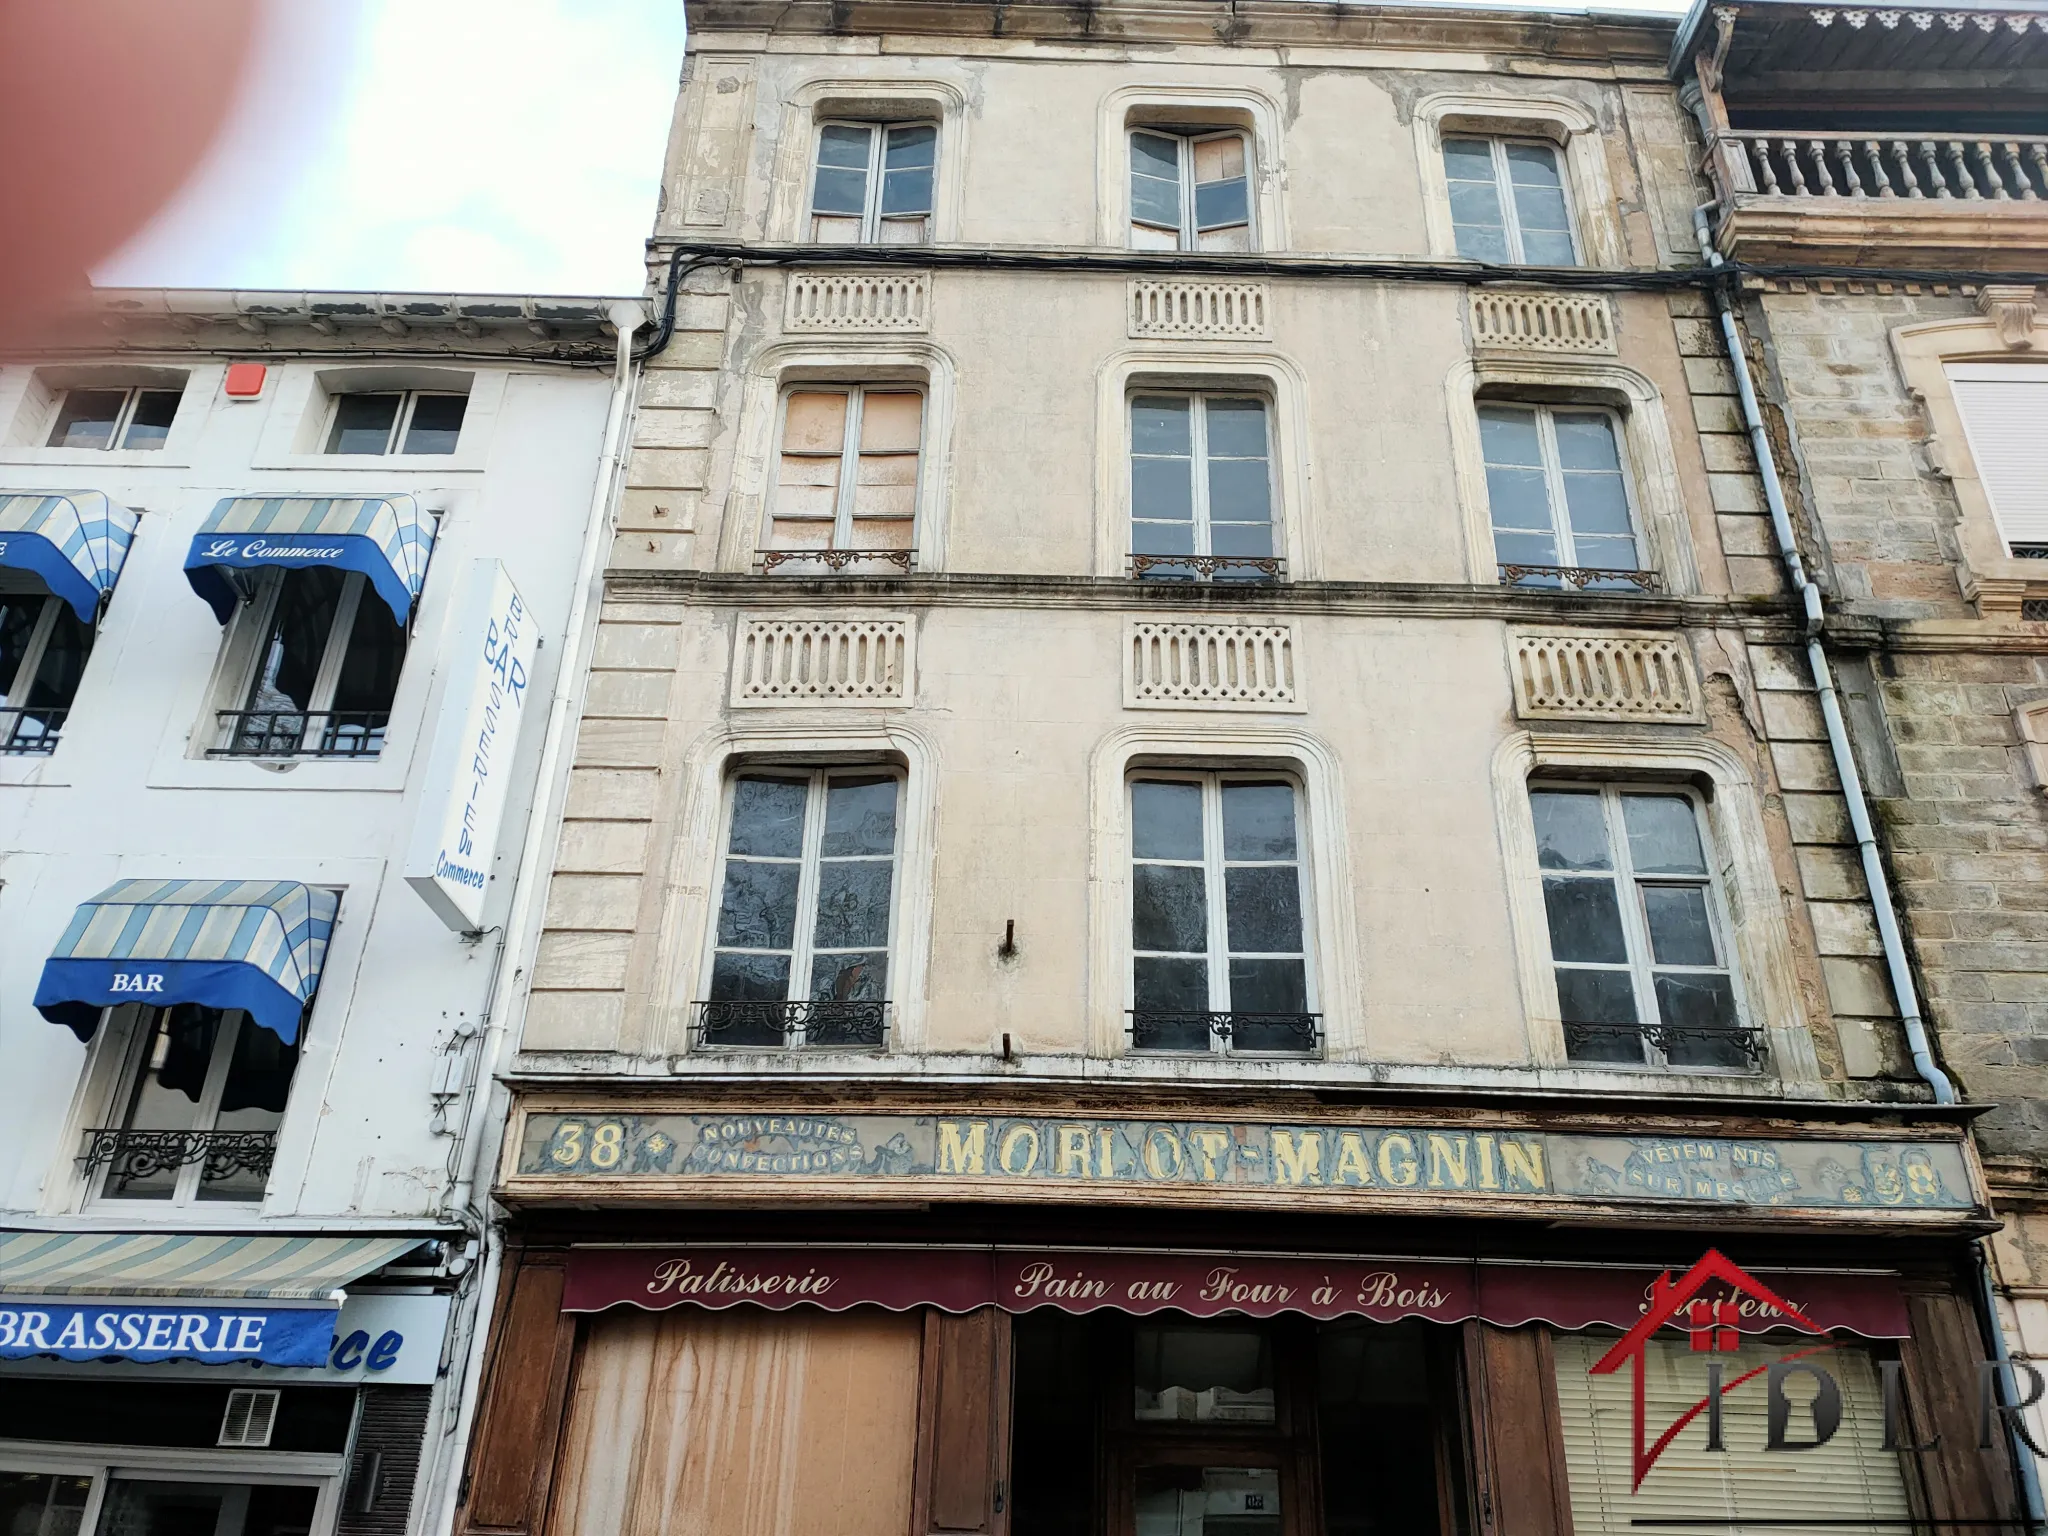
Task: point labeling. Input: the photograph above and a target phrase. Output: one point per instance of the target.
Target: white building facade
(286, 585)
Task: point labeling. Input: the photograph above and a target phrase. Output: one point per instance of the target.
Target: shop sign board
(140, 1329)
(893, 1152)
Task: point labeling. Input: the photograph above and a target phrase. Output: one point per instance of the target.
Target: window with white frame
(1638, 936)
(1219, 948)
(872, 183)
(2004, 407)
(43, 650)
(114, 418)
(1190, 191)
(1508, 202)
(1201, 488)
(323, 672)
(802, 936)
(1559, 497)
(395, 421)
(847, 487)
(201, 1096)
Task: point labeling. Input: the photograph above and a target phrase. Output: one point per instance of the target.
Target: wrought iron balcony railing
(1979, 168)
(812, 1024)
(1296, 1034)
(804, 560)
(1585, 578)
(28, 732)
(1681, 1045)
(300, 733)
(1208, 567)
(150, 1154)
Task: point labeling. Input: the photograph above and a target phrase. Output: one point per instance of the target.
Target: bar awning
(190, 1265)
(387, 538)
(251, 944)
(74, 541)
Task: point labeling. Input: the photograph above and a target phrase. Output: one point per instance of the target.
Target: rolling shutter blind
(2004, 407)
(1851, 1477)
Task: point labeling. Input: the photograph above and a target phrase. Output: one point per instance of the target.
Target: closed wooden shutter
(1851, 1477)
(512, 1459)
(2004, 408)
(963, 1441)
(1516, 1432)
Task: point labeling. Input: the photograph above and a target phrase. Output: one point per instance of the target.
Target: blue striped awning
(387, 538)
(251, 944)
(74, 540)
(189, 1264)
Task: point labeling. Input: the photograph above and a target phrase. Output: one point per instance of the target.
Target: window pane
(1585, 920)
(842, 145)
(911, 146)
(1599, 997)
(758, 907)
(151, 422)
(370, 665)
(1469, 160)
(252, 1099)
(860, 817)
(1172, 986)
(1571, 832)
(1166, 820)
(1540, 210)
(86, 419)
(1680, 931)
(1519, 500)
(1155, 180)
(18, 617)
(1237, 428)
(300, 626)
(165, 1096)
(1221, 204)
(1548, 248)
(42, 1503)
(1164, 539)
(768, 818)
(1162, 489)
(1703, 1003)
(1663, 835)
(1509, 436)
(1598, 505)
(1532, 165)
(1169, 909)
(1258, 821)
(853, 904)
(1269, 986)
(1263, 904)
(754, 977)
(1585, 440)
(1159, 425)
(1238, 492)
(362, 423)
(907, 174)
(1251, 539)
(840, 192)
(1476, 215)
(859, 978)
(62, 666)
(436, 423)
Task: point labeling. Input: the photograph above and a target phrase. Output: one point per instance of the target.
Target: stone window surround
(684, 943)
(833, 360)
(1133, 106)
(1760, 953)
(1990, 577)
(1330, 926)
(1214, 369)
(1572, 127)
(1649, 462)
(896, 99)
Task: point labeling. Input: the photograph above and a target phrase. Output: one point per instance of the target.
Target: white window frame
(1553, 474)
(1215, 895)
(1642, 964)
(1504, 188)
(401, 422)
(1188, 236)
(31, 658)
(104, 1464)
(1198, 449)
(185, 1194)
(355, 591)
(871, 219)
(123, 419)
(803, 939)
(849, 458)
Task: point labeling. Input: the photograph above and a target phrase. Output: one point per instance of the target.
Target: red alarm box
(245, 380)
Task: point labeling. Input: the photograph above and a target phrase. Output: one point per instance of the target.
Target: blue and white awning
(387, 538)
(74, 540)
(251, 944)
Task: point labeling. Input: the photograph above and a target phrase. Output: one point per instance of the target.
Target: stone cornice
(1988, 637)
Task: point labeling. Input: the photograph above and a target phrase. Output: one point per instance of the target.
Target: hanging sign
(462, 809)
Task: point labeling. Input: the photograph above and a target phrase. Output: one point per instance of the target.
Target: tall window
(43, 647)
(801, 949)
(197, 1117)
(1190, 191)
(872, 183)
(1636, 931)
(1218, 954)
(1201, 488)
(325, 673)
(847, 491)
(1508, 202)
(114, 418)
(414, 421)
(2004, 407)
(1559, 498)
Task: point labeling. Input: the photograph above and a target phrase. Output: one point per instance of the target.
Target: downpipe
(1881, 900)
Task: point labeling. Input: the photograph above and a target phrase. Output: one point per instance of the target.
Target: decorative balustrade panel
(1210, 666)
(1193, 307)
(858, 301)
(1542, 322)
(1603, 676)
(823, 661)
(1879, 166)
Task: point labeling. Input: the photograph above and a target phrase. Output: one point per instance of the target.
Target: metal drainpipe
(1866, 840)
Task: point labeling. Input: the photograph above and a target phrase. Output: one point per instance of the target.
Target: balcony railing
(1207, 567)
(1297, 1034)
(300, 733)
(150, 1154)
(1586, 578)
(800, 561)
(1682, 1045)
(28, 732)
(1962, 168)
(772, 1025)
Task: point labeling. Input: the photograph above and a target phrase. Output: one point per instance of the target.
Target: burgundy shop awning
(1205, 1285)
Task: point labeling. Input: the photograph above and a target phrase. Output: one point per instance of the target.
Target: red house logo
(1712, 1323)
